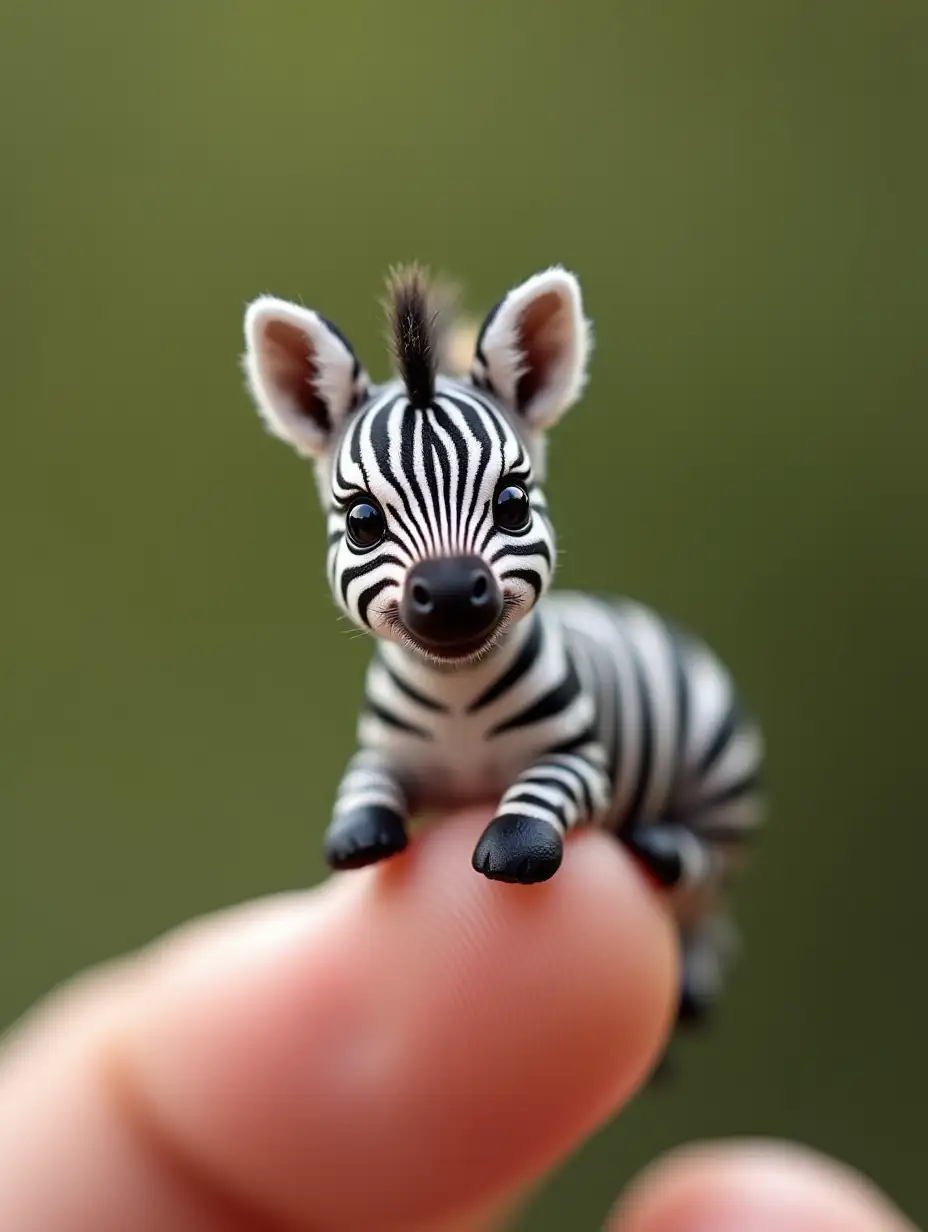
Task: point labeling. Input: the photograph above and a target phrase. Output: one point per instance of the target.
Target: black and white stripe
(434, 471)
(592, 711)
(574, 710)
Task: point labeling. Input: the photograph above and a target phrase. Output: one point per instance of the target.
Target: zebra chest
(455, 758)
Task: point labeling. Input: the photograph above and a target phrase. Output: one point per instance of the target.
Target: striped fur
(574, 710)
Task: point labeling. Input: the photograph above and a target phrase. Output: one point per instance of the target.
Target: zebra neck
(456, 687)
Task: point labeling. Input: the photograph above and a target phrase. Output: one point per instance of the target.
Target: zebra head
(438, 530)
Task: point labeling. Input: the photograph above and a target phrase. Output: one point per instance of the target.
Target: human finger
(754, 1187)
(409, 1043)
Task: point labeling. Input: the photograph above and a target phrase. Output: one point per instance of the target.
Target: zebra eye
(365, 524)
(511, 508)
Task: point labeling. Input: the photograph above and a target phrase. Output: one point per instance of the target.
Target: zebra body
(646, 731)
(557, 708)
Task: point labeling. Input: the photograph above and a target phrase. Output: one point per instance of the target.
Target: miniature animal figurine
(561, 709)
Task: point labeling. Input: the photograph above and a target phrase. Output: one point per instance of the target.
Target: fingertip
(414, 1041)
(763, 1186)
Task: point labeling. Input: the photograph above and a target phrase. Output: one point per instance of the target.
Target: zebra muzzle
(451, 605)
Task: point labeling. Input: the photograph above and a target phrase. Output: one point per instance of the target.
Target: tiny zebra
(561, 709)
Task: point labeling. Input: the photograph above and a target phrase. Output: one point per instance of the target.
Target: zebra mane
(419, 314)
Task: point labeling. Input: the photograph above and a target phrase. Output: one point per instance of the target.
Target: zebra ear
(533, 348)
(302, 374)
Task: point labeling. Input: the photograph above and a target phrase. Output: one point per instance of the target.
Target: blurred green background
(742, 189)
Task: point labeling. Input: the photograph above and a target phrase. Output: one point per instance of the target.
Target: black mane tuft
(416, 313)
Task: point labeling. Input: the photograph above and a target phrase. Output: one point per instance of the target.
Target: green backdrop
(742, 188)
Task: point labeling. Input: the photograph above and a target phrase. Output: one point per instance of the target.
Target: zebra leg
(369, 818)
(674, 855)
(524, 843)
(707, 950)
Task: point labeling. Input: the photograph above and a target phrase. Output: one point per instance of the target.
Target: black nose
(451, 604)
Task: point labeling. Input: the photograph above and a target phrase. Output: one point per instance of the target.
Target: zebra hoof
(661, 858)
(521, 850)
(693, 1012)
(365, 837)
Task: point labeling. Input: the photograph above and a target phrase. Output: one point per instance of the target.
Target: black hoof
(522, 850)
(659, 856)
(693, 1010)
(365, 837)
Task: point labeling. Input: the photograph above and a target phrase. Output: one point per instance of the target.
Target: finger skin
(406, 1045)
(754, 1187)
(71, 1159)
